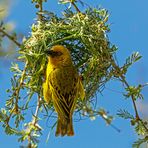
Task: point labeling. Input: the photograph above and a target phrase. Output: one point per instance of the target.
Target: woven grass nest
(84, 34)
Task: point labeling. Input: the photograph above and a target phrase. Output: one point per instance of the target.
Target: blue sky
(129, 21)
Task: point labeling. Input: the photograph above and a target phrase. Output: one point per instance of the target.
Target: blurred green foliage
(7, 47)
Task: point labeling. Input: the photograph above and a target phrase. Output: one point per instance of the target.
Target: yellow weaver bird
(63, 87)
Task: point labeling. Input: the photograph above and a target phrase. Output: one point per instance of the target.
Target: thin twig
(20, 85)
(134, 104)
(75, 6)
(40, 17)
(123, 79)
(127, 85)
(35, 116)
(10, 37)
(34, 122)
(17, 91)
(29, 141)
(102, 115)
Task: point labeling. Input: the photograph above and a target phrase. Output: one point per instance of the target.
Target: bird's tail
(64, 128)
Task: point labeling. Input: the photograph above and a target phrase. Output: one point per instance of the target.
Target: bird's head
(58, 54)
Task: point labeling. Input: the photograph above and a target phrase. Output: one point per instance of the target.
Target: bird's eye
(58, 53)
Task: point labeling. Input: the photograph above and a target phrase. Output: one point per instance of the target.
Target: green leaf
(135, 92)
(131, 60)
(125, 114)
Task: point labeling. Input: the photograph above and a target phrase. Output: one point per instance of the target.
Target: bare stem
(20, 84)
(10, 37)
(34, 121)
(40, 17)
(75, 6)
(103, 116)
(29, 142)
(35, 117)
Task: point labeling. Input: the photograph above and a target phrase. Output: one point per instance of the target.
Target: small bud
(37, 6)
(133, 122)
(8, 90)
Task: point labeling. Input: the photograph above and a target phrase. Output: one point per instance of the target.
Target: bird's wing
(46, 89)
(64, 91)
(80, 88)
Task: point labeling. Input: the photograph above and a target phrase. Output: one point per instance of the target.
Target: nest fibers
(85, 35)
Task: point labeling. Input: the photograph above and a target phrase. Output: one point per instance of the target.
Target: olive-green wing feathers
(65, 88)
(46, 92)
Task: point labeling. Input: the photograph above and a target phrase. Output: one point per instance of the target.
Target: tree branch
(10, 37)
(123, 79)
(35, 117)
(34, 123)
(40, 17)
(75, 6)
